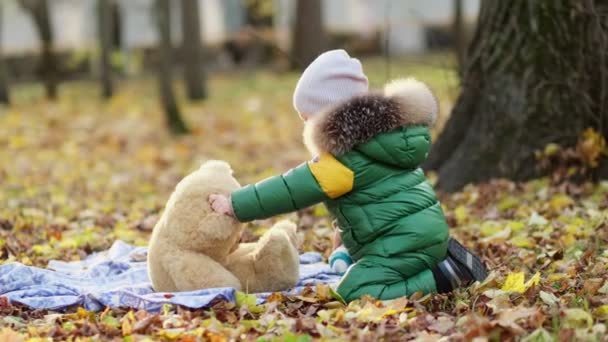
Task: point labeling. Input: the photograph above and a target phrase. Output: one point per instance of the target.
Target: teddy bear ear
(218, 165)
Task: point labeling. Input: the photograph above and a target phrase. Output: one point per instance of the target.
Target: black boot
(461, 268)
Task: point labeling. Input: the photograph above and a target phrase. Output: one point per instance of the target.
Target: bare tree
(39, 11)
(309, 38)
(193, 51)
(174, 120)
(4, 94)
(105, 26)
(536, 73)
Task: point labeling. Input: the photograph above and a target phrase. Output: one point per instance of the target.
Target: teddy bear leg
(276, 259)
(247, 250)
(271, 264)
(290, 229)
(192, 271)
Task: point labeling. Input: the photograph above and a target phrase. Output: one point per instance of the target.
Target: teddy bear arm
(192, 271)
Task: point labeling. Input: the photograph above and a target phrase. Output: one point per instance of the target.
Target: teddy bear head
(190, 223)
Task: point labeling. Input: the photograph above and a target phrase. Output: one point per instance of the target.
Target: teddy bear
(192, 247)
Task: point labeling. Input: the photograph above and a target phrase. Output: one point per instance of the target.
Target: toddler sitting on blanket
(366, 169)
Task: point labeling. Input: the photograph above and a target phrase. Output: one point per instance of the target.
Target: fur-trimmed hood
(405, 102)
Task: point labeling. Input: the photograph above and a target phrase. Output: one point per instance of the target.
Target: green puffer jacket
(367, 173)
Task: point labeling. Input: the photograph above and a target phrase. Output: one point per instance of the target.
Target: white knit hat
(331, 78)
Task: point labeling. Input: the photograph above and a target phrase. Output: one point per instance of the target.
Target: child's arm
(315, 181)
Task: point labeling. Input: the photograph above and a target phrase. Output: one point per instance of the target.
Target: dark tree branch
(4, 93)
(105, 28)
(192, 50)
(174, 120)
(39, 11)
(309, 38)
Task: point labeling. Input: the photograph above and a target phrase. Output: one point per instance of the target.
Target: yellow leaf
(489, 228)
(591, 146)
(601, 312)
(522, 242)
(551, 149)
(534, 281)
(514, 282)
(508, 203)
(322, 292)
(515, 226)
(17, 141)
(82, 313)
(500, 236)
(127, 327)
(560, 201)
(572, 229)
(568, 240)
(392, 312)
(243, 298)
(462, 214)
(320, 211)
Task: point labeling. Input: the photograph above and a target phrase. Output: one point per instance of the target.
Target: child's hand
(221, 204)
(337, 241)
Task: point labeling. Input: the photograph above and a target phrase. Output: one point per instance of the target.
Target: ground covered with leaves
(77, 174)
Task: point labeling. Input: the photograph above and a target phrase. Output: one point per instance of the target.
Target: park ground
(79, 173)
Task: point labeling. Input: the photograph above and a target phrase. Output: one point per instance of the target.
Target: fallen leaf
(548, 298)
(601, 313)
(515, 282)
(537, 220)
(577, 318)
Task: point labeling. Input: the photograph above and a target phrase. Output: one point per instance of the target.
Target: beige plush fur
(193, 247)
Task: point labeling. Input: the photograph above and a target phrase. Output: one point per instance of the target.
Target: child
(368, 151)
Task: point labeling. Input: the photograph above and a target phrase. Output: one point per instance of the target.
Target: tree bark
(536, 73)
(192, 50)
(39, 10)
(459, 34)
(105, 27)
(309, 38)
(4, 93)
(174, 120)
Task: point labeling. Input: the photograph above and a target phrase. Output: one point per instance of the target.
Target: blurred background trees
(115, 39)
(531, 74)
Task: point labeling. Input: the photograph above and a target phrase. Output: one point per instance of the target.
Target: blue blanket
(118, 277)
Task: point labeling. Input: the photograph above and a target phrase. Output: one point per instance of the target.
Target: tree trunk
(536, 73)
(309, 39)
(173, 116)
(459, 34)
(4, 94)
(105, 27)
(39, 10)
(192, 50)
